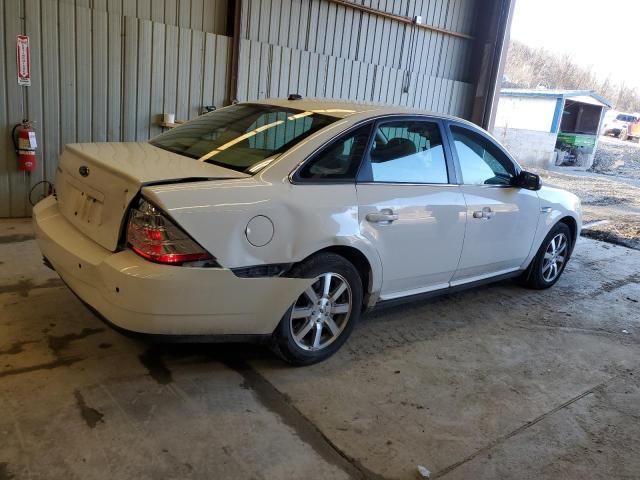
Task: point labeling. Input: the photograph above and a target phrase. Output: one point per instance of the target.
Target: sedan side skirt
(446, 291)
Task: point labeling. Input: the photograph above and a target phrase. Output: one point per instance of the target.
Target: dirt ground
(610, 192)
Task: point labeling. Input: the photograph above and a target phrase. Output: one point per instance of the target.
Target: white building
(543, 128)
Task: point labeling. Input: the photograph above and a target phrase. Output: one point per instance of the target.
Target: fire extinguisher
(25, 143)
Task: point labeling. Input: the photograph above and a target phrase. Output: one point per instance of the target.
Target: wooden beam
(398, 18)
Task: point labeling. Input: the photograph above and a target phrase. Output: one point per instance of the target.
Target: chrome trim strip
(411, 184)
(486, 186)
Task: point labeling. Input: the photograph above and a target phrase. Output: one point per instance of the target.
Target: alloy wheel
(321, 312)
(555, 257)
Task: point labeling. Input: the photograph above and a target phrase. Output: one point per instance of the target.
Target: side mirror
(527, 180)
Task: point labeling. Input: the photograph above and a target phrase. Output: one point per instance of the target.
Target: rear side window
(408, 151)
(340, 160)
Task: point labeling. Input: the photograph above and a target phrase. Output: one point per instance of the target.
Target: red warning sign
(24, 61)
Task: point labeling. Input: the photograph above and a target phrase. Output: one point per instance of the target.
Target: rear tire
(550, 260)
(323, 316)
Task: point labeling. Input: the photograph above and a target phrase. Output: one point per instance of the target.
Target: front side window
(481, 162)
(242, 137)
(341, 159)
(408, 151)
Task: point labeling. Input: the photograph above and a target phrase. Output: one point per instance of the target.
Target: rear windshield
(243, 137)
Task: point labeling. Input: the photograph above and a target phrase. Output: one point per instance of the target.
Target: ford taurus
(285, 220)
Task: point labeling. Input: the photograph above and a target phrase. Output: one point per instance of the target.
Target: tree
(529, 67)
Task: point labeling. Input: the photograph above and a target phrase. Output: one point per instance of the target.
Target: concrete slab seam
(527, 425)
(307, 431)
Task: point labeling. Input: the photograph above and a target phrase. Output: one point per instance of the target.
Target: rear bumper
(145, 297)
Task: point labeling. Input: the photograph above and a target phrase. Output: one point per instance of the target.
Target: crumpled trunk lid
(96, 182)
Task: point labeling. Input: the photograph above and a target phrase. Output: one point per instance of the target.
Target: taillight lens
(155, 237)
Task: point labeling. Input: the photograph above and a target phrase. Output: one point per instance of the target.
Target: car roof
(343, 109)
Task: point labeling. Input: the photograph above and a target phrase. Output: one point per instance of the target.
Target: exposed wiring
(49, 191)
(14, 139)
(413, 43)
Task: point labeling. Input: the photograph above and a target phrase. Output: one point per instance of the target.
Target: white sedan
(284, 220)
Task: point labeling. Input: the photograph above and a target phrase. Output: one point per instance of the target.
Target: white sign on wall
(24, 61)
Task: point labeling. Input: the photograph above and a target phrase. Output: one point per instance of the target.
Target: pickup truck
(631, 132)
(617, 123)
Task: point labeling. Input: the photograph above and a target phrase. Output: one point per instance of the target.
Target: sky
(598, 33)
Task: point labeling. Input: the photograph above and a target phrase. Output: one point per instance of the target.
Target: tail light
(155, 237)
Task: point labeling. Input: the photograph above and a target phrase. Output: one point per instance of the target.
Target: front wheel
(551, 259)
(323, 316)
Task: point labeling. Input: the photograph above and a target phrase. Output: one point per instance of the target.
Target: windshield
(244, 137)
(626, 118)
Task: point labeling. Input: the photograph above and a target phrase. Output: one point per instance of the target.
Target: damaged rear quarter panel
(306, 218)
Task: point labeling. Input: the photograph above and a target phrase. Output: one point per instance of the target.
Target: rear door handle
(486, 213)
(385, 216)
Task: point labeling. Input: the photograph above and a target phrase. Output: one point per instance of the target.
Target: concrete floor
(498, 382)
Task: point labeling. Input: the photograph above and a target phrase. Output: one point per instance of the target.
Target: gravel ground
(610, 192)
(617, 158)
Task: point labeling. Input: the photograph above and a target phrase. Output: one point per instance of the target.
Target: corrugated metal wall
(321, 49)
(204, 15)
(104, 71)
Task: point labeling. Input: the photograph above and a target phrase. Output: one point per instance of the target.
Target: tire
(623, 135)
(333, 312)
(542, 273)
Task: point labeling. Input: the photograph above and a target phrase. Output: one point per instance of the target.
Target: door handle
(486, 213)
(385, 215)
